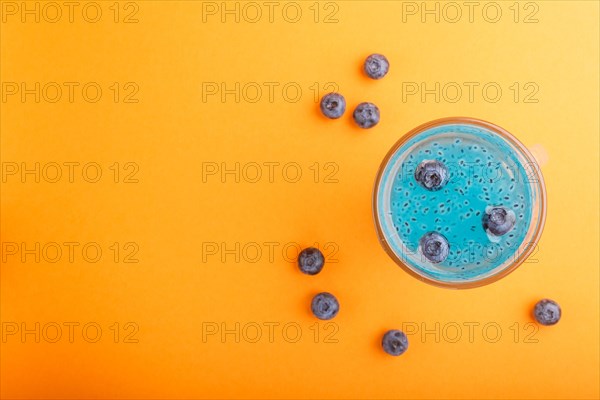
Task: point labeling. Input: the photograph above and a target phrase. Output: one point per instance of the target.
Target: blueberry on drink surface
(498, 220)
(394, 342)
(547, 312)
(325, 306)
(333, 105)
(376, 66)
(366, 115)
(434, 247)
(431, 174)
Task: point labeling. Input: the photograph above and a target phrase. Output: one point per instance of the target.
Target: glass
(487, 167)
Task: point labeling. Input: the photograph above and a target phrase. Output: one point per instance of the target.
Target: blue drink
(486, 169)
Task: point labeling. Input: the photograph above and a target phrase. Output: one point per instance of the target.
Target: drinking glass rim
(505, 135)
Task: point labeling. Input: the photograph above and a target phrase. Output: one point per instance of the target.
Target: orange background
(171, 214)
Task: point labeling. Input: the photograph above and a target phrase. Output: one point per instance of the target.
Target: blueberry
(376, 66)
(498, 220)
(434, 246)
(366, 115)
(333, 105)
(394, 342)
(311, 261)
(431, 174)
(325, 306)
(547, 312)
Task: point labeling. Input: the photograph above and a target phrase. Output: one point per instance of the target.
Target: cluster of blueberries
(432, 175)
(366, 115)
(497, 221)
(326, 306)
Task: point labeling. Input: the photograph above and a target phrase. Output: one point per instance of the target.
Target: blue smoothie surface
(485, 171)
